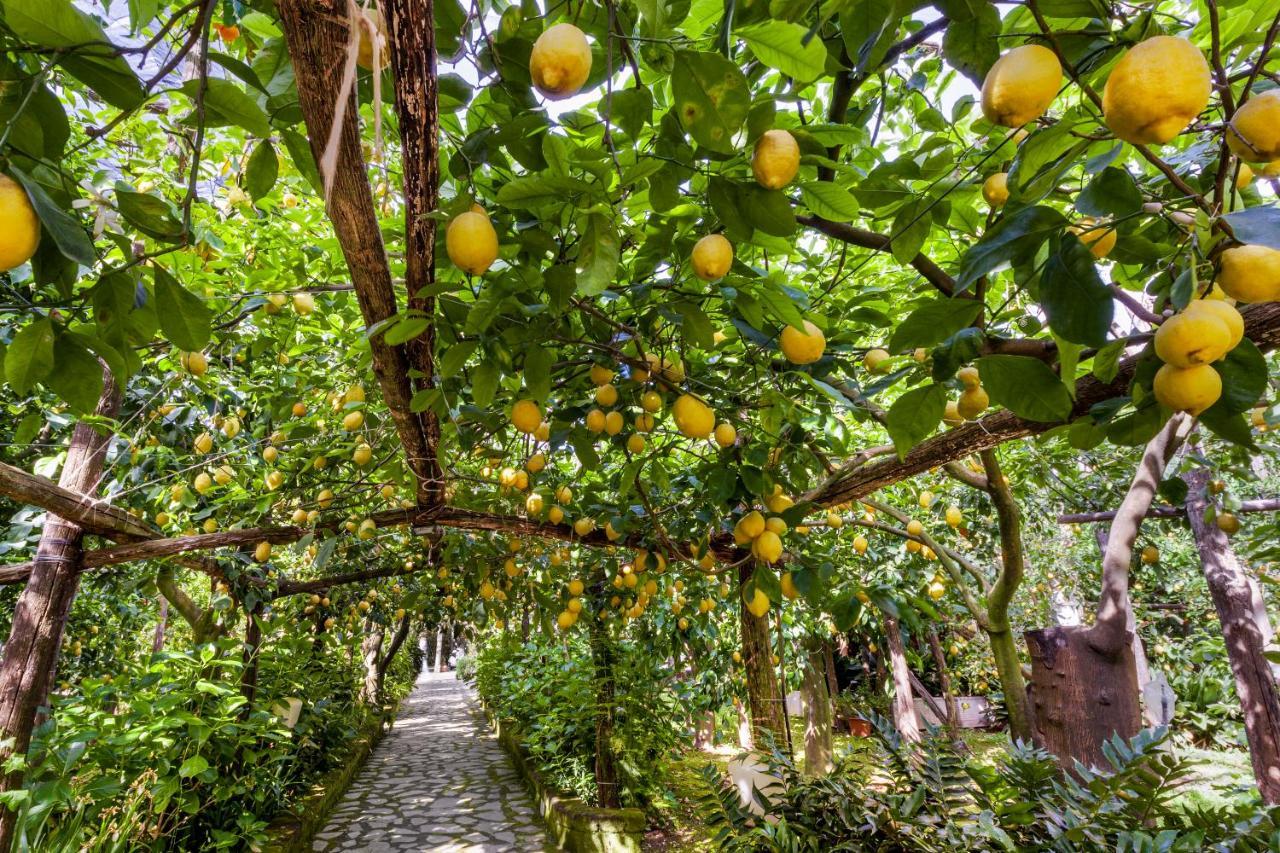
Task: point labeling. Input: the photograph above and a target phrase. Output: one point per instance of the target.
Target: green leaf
(531, 191)
(537, 371)
(184, 318)
(829, 201)
(1078, 304)
(455, 358)
(910, 229)
(1244, 378)
(598, 257)
(1013, 239)
(1259, 225)
(405, 328)
(76, 376)
(193, 766)
(29, 357)
(971, 45)
(262, 170)
(768, 210)
(1111, 193)
(94, 61)
(303, 161)
(484, 383)
(781, 305)
(915, 415)
(783, 46)
(696, 326)
(68, 236)
(150, 214)
(933, 322)
(225, 103)
(1226, 425)
(1137, 428)
(1025, 386)
(711, 98)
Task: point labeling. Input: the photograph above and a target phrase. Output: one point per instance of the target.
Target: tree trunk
(397, 640)
(606, 763)
(944, 682)
(40, 615)
(162, 626)
(745, 736)
(904, 710)
(762, 682)
(1140, 663)
(444, 647)
(817, 715)
(829, 659)
(1233, 599)
(252, 648)
(371, 654)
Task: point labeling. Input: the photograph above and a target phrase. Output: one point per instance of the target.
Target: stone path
(439, 781)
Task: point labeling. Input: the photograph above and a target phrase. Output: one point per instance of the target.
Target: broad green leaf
(193, 766)
(405, 328)
(1111, 193)
(598, 257)
(829, 201)
(29, 357)
(184, 318)
(933, 322)
(484, 383)
(1025, 386)
(455, 358)
(783, 46)
(915, 415)
(1078, 304)
(76, 376)
(1257, 225)
(538, 362)
(261, 172)
(1244, 378)
(150, 214)
(530, 191)
(225, 103)
(68, 236)
(711, 98)
(1014, 238)
(696, 326)
(910, 229)
(303, 161)
(971, 44)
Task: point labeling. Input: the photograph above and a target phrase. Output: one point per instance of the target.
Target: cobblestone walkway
(439, 781)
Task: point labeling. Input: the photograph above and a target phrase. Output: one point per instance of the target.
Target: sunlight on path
(438, 781)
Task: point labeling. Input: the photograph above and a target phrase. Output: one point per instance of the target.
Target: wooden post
(944, 681)
(763, 699)
(817, 715)
(40, 616)
(1233, 599)
(904, 709)
(252, 650)
(371, 655)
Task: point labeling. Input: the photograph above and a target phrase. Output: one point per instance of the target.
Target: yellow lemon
(1245, 176)
(1228, 523)
(1150, 555)
(19, 227)
(526, 416)
(712, 256)
(606, 395)
(635, 443)
(555, 515)
(362, 454)
(767, 546)
(262, 552)
(954, 516)
(304, 303)
(1254, 131)
(1155, 90)
(802, 346)
(877, 361)
(693, 417)
(995, 189)
(776, 159)
(1192, 338)
(651, 401)
(1021, 85)
(775, 525)
(203, 483)
(973, 402)
(595, 420)
(564, 495)
(750, 525)
(757, 604)
(951, 414)
(1187, 389)
(535, 463)
(560, 61)
(725, 434)
(203, 443)
(789, 587)
(576, 587)
(533, 504)
(194, 363)
(471, 242)
(1250, 273)
(584, 525)
(373, 31)
(352, 421)
(613, 423)
(1099, 238)
(601, 375)
(1224, 311)
(860, 544)
(969, 377)
(644, 422)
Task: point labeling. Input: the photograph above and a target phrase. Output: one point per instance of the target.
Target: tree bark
(763, 698)
(817, 715)
(162, 626)
(371, 655)
(904, 709)
(606, 763)
(829, 659)
(397, 640)
(1233, 599)
(40, 615)
(944, 682)
(251, 655)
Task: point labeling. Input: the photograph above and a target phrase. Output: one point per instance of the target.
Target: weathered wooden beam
(1163, 511)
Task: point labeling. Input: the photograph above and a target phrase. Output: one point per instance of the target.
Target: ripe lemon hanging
(725, 434)
(877, 361)
(1224, 311)
(19, 227)
(767, 546)
(693, 417)
(973, 402)
(757, 604)
(1099, 238)
(560, 61)
(373, 31)
(712, 257)
(1155, 90)
(1254, 131)
(526, 416)
(1187, 389)
(1250, 273)
(995, 189)
(1191, 338)
(1021, 85)
(776, 159)
(802, 346)
(471, 242)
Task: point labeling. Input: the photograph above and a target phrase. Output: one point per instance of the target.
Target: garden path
(439, 781)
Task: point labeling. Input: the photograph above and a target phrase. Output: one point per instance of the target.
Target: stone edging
(294, 831)
(572, 825)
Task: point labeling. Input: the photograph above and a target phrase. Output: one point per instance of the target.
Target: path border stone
(294, 831)
(572, 825)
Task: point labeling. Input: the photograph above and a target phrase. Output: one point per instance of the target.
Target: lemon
(535, 463)
(712, 256)
(1254, 131)
(995, 189)
(877, 361)
(954, 516)
(1021, 85)
(606, 395)
(352, 421)
(1187, 389)
(471, 242)
(1188, 339)
(304, 303)
(651, 401)
(595, 420)
(860, 544)
(533, 504)
(1099, 238)
(194, 363)
(750, 525)
(757, 604)
(1250, 273)
(373, 31)
(802, 346)
(725, 434)
(223, 474)
(613, 423)
(203, 443)
(576, 587)
(775, 525)
(203, 483)
(1150, 555)
(936, 590)
(325, 498)
(1244, 177)
(362, 454)
(262, 552)
(1228, 523)
(526, 416)
(776, 159)
(951, 414)
(584, 525)
(555, 515)
(969, 377)
(693, 417)
(973, 402)
(560, 61)
(767, 546)
(635, 443)
(778, 502)
(600, 375)
(1224, 311)
(564, 495)
(1155, 90)
(789, 587)
(18, 225)
(834, 521)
